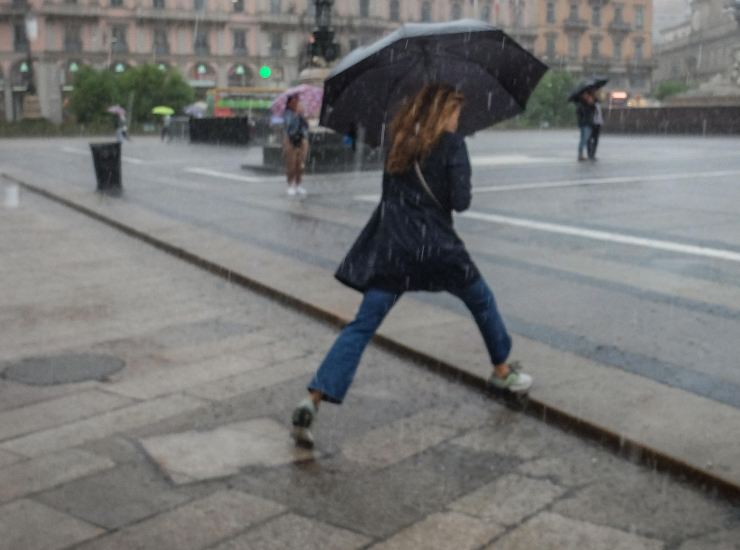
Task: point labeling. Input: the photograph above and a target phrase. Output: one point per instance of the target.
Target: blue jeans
(585, 136)
(337, 371)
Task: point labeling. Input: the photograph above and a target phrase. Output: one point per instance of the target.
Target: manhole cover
(62, 369)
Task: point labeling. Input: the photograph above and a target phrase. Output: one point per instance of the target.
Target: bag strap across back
(425, 185)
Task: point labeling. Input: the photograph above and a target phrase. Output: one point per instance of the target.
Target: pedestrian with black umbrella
(588, 114)
(585, 114)
(409, 243)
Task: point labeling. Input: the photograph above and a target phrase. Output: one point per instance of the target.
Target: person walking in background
(166, 127)
(121, 128)
(585, 115)
(598, 121)
(409, 244)
(295, 145)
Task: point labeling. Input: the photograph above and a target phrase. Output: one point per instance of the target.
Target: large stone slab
(513, 434)
(117, 497)
(199, 455)
(377, 502)
(196, 351)
(509, 499)
(406, 437)
(32, 476)
(233, 386)
(442, 532)
(28, 525)
(104, 425)
(57, 411)
(168, 380)
(292, 532)
(716, 540)
(549, 531)
(7, 458)
(194, 526)
(663, 506)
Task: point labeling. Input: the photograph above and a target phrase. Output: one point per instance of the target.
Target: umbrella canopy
(589, 85)
(197, 109)
(309, 96)
(495, 74)
(163, 110)
(116, 110)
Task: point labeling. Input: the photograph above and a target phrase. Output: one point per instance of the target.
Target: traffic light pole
(323, 44)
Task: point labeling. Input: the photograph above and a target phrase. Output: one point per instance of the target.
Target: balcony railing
(575, 24)
(11, 9)
(159, 14)
(618, 27)
(119, 47)
(282, 19)
(641, 65)
(73, 46)
(597, 62)
(89, 10)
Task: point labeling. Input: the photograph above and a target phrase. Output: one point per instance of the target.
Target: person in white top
(593, 140)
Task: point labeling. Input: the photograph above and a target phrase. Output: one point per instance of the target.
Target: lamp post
(32, 29)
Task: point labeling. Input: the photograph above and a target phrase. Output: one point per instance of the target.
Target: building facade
(599, 37)
(702, 48)
(225, 42)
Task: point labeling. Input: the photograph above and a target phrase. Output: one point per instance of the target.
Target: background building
(599, 37)
(702, 48)
(225, 42)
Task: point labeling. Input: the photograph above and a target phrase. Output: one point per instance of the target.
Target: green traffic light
(265, 71)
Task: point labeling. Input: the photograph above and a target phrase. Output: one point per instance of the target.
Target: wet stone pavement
(187, 446)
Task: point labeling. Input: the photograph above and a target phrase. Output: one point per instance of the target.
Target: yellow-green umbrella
(162, 110)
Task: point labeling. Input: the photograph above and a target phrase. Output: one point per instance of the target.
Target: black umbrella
(592, 84)
(495, 74)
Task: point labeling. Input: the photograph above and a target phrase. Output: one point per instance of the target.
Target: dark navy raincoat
(409, 243)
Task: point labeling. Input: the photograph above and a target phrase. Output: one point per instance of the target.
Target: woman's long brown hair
(418, 125)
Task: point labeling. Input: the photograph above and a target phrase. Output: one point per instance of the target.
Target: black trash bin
(107, 161)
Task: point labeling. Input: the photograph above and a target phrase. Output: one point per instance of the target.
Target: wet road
(633, 261)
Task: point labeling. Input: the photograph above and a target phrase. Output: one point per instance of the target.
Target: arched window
(395, 10)
(70, 70)
(119, 67)
(456, 11)
(485, 11)
(426, 11)
(202, 75)
(240, 75)
(20, 74)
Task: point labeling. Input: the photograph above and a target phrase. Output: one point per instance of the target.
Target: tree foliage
(148, 86)
(94, 92)
(670, 87)
(548, 105)
(139, 89)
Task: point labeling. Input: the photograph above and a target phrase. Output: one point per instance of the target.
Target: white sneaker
(301, 191)
(515, 382)
(291, 190)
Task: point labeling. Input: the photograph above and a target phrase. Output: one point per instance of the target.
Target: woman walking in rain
(295, 145)
(585, 114)
(410, 244)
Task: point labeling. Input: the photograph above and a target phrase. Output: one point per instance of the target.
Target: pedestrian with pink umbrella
(295, 145)
(310, 98)
(294, 106)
